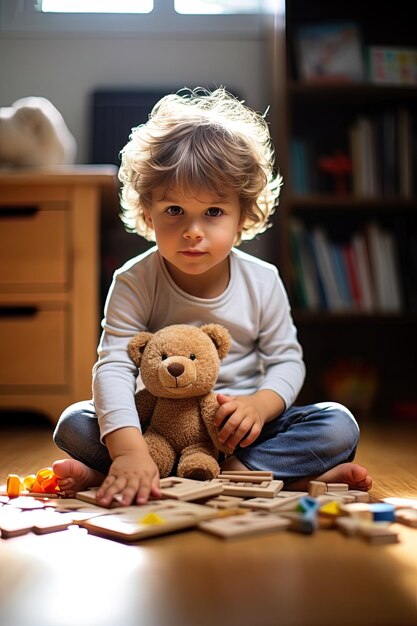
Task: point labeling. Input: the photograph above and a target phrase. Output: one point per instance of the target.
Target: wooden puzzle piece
(337, 487)
(252, 523)
(14, 523)
(348, 525)
(316, 488)
(135, 523)
(29, 494)
(73, 505)
(266, 489)
(301, 523)
(187, 489)
(250, 477)
(223, 502)
(27, 504)
(40, 522)
(378, 533)
(360, 496)
(266, 474)
(360, 510)
(290, 494)
(279, 502)
(288, 503)
(262, 504)
(89, 496)
(407, 517)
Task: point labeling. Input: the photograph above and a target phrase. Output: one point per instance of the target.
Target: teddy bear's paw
(199, 473)
(198, 466)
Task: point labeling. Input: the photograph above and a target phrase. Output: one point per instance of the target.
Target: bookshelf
(346, 143)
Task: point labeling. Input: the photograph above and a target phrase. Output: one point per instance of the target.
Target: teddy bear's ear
(220, 337)
(137, 345)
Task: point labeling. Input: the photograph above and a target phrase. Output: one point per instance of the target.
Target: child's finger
(228, 429)
(111, 486)
(143, 493)
(239, 433)
(224, 412)
(251, 436)
(222, 398)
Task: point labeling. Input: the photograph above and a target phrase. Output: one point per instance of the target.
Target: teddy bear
(179, 366)
(33, 133)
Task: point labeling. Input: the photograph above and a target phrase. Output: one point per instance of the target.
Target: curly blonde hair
(209, 141)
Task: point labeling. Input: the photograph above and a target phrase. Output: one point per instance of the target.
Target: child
(198, 178)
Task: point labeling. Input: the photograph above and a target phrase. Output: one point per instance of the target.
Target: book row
(367, 273)
(380, 159)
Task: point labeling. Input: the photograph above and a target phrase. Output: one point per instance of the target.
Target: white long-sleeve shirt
(264, 353)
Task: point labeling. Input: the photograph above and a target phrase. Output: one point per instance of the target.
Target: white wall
(66, 69)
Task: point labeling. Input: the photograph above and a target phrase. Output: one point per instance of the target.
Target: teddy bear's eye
(193, 357)
(164, 356)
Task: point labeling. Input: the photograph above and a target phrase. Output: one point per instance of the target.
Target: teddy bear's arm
(208, 407)
(145, 404)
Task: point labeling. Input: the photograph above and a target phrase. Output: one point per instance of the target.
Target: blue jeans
(304, 441)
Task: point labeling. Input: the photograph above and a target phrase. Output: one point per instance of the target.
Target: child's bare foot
(74, 476)
(352, 474)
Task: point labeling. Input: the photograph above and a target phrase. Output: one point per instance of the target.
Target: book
(300, 167)
(385, 268)
(405, 153)
(340, 271)
(392, 66)
(326, 269)
(298, 281)
(352, 273)
(329, 52)
(307, 282)
(389, 247)
(363, 272)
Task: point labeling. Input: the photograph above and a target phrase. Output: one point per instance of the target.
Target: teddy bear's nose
(175, 369)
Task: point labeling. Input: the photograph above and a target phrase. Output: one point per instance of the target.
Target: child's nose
(194, 231)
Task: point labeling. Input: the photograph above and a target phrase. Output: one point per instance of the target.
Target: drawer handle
(7, 212)
(18, 311)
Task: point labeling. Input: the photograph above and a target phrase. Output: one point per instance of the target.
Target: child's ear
(148, 218)
(242, 220)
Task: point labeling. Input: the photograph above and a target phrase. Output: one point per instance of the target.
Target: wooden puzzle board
(173, 487)
(159, 518)
(252, 523)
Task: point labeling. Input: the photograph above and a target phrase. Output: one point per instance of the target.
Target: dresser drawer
(34, 345)
(34, 246)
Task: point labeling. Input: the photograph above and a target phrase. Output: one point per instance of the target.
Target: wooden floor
(191, 579)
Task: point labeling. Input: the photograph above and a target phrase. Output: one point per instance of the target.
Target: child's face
(194, 231)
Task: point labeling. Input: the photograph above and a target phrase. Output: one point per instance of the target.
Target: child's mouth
(192, 253)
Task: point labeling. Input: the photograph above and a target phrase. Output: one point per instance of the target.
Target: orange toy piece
(45, 482)
(28, 481)
(14, 485)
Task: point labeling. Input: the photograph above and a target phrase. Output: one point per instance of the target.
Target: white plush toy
(33, 133)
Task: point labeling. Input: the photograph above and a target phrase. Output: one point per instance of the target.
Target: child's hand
(238, 420)
(133, 477)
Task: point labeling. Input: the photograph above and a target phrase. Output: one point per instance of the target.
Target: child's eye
(174, 210)
(214, 211)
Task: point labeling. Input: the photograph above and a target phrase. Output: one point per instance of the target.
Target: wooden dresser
(49, 283)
